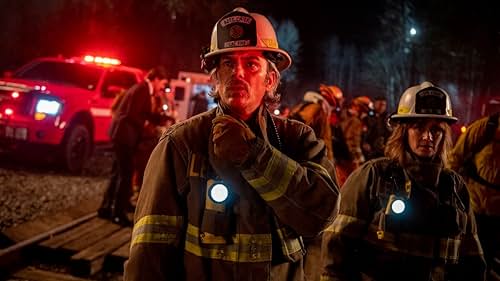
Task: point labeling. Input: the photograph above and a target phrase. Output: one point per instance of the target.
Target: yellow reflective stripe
(165, 238)
(244, 247)
(271, 185)
(415, 244)
(289, 246)
(342, 221)
(326, 278)
(156, 229)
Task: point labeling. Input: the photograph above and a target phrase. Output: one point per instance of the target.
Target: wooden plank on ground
(91, 259)
(34, 274)
(123, 251)
(73, 234)
(89, 239)
(115, 261)
(46, 223)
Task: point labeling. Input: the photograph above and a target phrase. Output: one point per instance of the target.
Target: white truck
(186, 86)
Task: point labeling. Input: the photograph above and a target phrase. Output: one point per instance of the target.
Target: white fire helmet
(425, 101)
(240, 30)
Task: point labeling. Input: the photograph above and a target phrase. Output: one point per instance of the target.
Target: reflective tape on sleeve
(156, 229)
(273, 183)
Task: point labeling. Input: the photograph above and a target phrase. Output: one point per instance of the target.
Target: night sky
(457, 44)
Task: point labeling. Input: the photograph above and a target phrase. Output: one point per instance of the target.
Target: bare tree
(340, 64)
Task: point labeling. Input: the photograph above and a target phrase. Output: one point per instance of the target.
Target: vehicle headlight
(46, 106)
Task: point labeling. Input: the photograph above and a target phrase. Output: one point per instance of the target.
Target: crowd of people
(337, 189)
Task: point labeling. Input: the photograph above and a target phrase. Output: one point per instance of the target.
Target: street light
(413, 31)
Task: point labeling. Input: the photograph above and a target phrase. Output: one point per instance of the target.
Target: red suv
(62, 103)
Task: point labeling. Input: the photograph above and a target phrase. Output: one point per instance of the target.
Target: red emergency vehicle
(62, 103)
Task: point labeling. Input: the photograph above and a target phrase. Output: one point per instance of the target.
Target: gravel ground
(28, 191)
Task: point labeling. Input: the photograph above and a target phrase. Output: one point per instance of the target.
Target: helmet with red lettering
(240, 30)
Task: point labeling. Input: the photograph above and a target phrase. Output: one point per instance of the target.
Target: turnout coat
(433, 239)
(282, 194)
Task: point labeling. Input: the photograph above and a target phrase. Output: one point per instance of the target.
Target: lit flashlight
(218, 192)
(395, 205)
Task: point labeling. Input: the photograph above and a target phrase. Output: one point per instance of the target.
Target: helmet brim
(409, 117)
(281, 64)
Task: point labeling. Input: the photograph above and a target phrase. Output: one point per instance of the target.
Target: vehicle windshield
(78, 75)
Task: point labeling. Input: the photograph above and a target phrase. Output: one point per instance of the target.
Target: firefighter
(353, 128)
(229, 194)
(407, 216)
(476, 156)
(315, 110)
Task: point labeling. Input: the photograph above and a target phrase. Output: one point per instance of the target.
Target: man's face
(243, 80)
(424, 137)
(159, 85)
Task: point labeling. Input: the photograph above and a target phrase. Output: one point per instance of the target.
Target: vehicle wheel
(76, 148)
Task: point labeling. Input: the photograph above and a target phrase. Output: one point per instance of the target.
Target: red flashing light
(102, 60)
(14, 95)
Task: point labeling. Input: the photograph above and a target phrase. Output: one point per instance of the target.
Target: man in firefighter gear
(231, 193)
(476, 156)
(407, 216)
(315, 110)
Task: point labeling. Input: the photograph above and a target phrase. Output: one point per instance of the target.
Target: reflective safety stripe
(356, 226)
(326, 278)
(242, 248)
(276, 178)
(289, 246)
(156, 229)
(415, 244)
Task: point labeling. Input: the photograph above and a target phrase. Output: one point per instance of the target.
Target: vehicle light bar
(101, 60)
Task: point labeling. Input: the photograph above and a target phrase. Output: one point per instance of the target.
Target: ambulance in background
(186, 86)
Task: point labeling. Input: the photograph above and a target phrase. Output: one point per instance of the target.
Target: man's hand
(231, 138)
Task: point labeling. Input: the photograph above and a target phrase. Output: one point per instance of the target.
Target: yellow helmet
(425, 101)
(240, 30)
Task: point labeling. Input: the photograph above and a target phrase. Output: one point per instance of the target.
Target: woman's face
(425, 136)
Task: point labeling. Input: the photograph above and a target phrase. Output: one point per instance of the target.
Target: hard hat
(364, 103)
(312, 96)
(425, 101)
(332, 94)
(240, 30)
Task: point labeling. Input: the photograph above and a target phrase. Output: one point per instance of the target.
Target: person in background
(407, 216)
(377, 129)
(231, 193)
(316, 109)
(476, 156)
(147, 143)
(200, 103)
(353, 128)
(126, 130)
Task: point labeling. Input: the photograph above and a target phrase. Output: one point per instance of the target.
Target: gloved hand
(231, 138)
